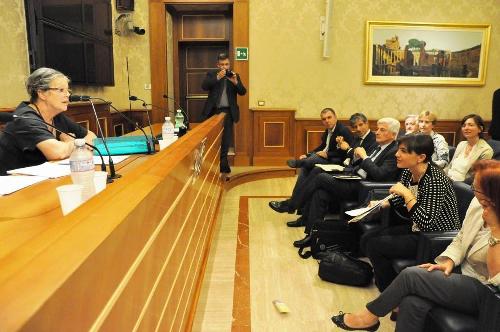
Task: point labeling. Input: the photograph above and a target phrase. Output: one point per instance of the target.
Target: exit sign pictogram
(241, 53)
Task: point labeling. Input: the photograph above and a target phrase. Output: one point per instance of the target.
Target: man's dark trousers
(227, 138)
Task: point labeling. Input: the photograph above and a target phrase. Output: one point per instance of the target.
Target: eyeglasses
(61, 90)
(485, 198)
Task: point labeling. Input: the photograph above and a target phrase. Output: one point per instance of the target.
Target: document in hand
(360, 214)
(346, 177)
(330, 167)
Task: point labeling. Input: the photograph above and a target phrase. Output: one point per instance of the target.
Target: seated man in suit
(364, 138)
(324, 188)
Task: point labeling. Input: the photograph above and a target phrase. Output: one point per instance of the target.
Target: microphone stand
(103, 164)
(112, 172)
(186, 120)
(128, 120)
(134, 98)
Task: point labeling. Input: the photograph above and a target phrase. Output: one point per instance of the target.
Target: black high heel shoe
(339, 321)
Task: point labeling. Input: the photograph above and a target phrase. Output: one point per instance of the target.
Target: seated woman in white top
(476, 250)
(469, 151)
(426, 122)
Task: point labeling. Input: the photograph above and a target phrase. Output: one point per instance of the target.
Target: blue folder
(124, 145)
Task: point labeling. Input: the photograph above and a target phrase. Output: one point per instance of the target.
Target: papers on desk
(347, 177)
(47, 169)
(330, 167)
(97, 160)
(12, 183)
(361, 213)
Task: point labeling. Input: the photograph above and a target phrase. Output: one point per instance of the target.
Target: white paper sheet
(12, 183)
(48, 170)
(330, 167)
(361, 213)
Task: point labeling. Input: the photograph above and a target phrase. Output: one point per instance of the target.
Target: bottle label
(81, 165)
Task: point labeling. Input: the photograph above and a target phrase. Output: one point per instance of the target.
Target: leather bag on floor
(341, 268)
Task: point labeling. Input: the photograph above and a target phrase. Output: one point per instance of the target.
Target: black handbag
(326, 236)
(341, 268)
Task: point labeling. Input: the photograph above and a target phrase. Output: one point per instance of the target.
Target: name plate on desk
(124, 145)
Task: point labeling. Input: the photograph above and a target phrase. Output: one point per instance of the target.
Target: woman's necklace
(51, 129)
(469, 148)
(420, 176)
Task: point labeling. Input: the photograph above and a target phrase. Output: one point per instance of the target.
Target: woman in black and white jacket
(424, 195)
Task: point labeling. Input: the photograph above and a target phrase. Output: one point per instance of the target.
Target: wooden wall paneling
(158, 56)
(203, 27)
(166, 298)
(166, 254)
(273, 138)
(274, 134)
(174, 318)
(108, 244)
(313, 138)
(243, 131)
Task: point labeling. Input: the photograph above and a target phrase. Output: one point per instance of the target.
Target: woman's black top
(436, 207)
(19, 139)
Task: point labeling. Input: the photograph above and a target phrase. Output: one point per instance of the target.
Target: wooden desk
(131, 257)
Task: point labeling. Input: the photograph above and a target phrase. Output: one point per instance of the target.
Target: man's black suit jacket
(335, 155)
(369, 144)
(384, 168)
(214, 88)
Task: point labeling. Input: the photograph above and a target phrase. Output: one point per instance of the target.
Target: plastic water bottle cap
(80, 142)
(167, 118)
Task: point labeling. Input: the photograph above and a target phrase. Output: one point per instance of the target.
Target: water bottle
(82, 167)
(167, 130)
(179, 120)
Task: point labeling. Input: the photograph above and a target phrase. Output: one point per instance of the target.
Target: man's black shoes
(280, 207)
(303, 243)
(294, 163)
(295, 223)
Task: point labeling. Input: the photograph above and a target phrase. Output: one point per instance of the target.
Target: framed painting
(426, 53)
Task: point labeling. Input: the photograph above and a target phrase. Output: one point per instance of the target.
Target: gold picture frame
(405, 53)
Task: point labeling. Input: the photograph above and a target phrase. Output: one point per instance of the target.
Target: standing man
(222, 86)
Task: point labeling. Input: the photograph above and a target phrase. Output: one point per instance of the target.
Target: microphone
(126, 119)
(73, 98)
(186, 120)
(103, 164)
(6, 117)
(134, 98)
(112, 172)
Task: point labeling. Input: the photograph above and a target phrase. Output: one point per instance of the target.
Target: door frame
(159, 76)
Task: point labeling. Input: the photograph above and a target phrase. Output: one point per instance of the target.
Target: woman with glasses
(475, 251)
(474, 148)
(27, 141)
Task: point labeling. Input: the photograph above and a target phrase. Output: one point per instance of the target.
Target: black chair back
(464, 195)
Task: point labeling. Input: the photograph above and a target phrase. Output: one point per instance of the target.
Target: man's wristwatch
(493, 241)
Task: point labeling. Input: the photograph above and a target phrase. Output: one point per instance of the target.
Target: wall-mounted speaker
(325, 26)
(125, 5)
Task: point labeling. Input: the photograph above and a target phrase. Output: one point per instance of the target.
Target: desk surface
(47, 260)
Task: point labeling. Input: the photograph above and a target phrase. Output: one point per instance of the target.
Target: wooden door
(195, 59)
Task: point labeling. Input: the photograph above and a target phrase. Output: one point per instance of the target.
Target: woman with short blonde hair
(426, 122)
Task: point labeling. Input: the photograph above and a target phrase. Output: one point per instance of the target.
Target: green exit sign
(241, 53)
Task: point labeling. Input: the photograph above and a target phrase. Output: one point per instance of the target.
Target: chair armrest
(494, 290)
(431, 244)
(367, 186)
